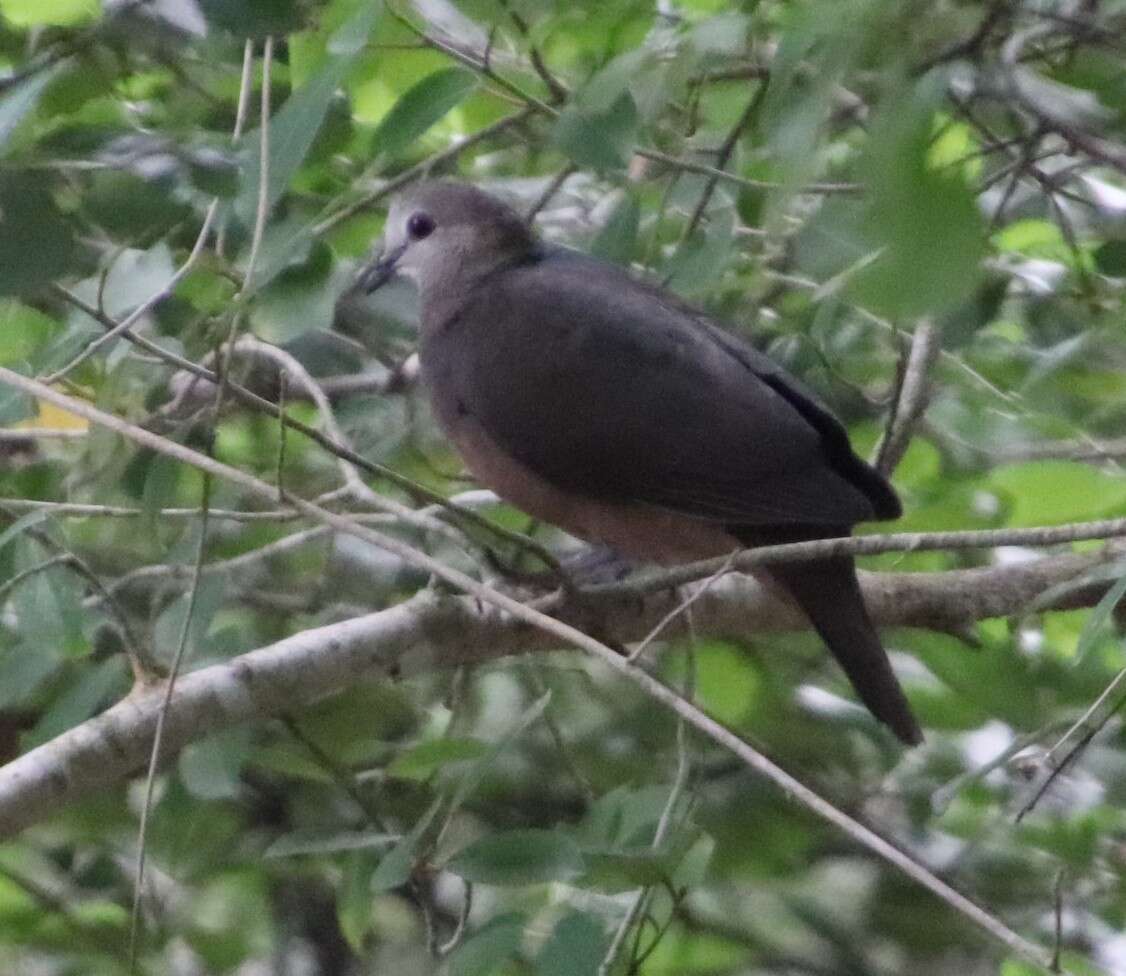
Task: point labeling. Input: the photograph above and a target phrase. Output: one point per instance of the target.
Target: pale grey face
(414, 235)
(443, 231)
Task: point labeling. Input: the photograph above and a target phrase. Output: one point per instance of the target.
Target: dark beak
(380, 271)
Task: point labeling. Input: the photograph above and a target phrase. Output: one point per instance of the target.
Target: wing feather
(615, 390)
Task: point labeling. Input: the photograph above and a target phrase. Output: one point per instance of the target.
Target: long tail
(828, 592)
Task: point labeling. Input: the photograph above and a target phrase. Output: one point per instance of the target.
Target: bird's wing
(614, 390)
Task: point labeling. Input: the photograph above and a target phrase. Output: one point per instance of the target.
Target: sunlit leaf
(58, 13)
(420, 107)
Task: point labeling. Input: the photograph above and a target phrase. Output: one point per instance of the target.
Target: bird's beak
(380, 271)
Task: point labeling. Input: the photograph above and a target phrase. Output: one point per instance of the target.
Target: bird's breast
(639, 531)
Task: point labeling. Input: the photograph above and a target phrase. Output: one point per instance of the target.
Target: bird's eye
(420, 225)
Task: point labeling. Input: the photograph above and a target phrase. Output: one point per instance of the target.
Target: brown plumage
(614, 410)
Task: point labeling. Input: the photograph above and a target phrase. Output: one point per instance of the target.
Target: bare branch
(911, 398)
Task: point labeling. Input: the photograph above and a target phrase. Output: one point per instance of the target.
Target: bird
(611, 408)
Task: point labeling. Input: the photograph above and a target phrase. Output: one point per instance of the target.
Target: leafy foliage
(825, 176)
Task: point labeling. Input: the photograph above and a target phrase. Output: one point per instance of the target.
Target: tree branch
(430, 631)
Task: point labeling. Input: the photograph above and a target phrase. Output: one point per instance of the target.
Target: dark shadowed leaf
(1110, 258)
(576, 948)
(519, 857)
(85, 693)
(33, 225)
(211, 768)
(252, 17)
(601, 140)
(617, 238)
(394, 867)
(353, 902)
(487, 948)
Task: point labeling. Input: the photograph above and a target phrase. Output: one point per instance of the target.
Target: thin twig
(23, 435)
(1104, 150)
(722, 158)
(147, 305)
(59, 559)
(911, 399)
(690, 166)
(262, 210)
(550, 190)
(1090, 727)
(452, 942)
(477, 498)
(419, 170)
(557, 89)
(684, 606)
(246, 82)
(664, 822)
(139, 660)
(154, 758)
(868, 545)
(482, 65)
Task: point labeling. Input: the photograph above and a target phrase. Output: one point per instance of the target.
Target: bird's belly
(638, 531)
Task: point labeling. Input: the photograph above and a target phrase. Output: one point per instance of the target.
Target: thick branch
(427, 632)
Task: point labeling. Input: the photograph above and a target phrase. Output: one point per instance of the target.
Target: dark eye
(420, 225)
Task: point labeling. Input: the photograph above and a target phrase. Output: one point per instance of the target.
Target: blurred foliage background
(827, 177)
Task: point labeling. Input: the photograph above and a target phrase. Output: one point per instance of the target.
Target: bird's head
(446, 232)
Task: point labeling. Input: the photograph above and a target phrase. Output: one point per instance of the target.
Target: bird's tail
(828, 592)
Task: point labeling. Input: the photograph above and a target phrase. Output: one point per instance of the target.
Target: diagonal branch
(911, 399)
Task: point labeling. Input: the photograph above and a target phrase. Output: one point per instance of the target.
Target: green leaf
(421, 107)
(914, 244)
(395, 866)
(23, 330)
(487, 948)
(33, 228)
(1098, 618)
(252, 18)
(1051, 492)
(726, 681)
(477, 772)
(23, 668)
(88, 691)
(599, 140)
(162, 480)
(1110, 258)
(576, 948)
(425, 759)
(21, 100)
(617, 870)
(20, 525)
(295, 125)
(54, 13)
(519, 857)
(617, 238)
(354, 901)
(211, 769)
